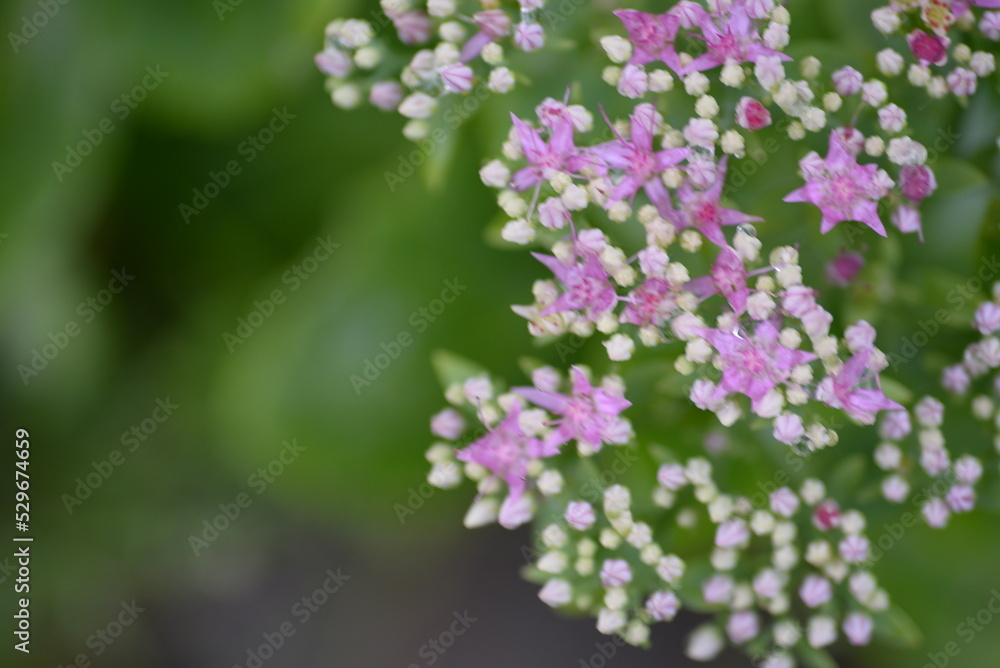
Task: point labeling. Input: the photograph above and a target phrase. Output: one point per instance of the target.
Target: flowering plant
(652, 242)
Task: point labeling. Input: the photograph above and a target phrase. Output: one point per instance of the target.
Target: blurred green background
(164, 340)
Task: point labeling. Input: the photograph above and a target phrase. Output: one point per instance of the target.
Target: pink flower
(815, 591)
(928, 49)
(841, 390)
(580, 515)
(652, 37)
(386, 95)
(671, 476)
(334, 63)
(633, 82)
(917, 182)
(987, 319)
(827, 515)
(590, 414)
(768, 583)
(412, 27)
(651, 303)
(929, 412)
(842, 269)
(990, 25)
(858, 628)
(662, 606)
(907, 219)
(730, 38)
(615, 573)
(529, 36)
(546, 160)
(732, 533)
(753, 365)
(960, 498)
(968, 470)
(702, 210)
(936, 513)
(641, 164)
(742, 627)
(955, 379)
(895, 425)
(553, 214)
(506, 451)
(457, 78)
(448, 424)
(728, 278)
(788, 428)
(962, 81)
(717, 589)
(841, 188)
(587, 285)
(854, 549)
(751, 114)
(784, 502)
(847, 81)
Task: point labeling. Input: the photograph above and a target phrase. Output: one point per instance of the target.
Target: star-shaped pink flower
(588, 288)
(641, 164)
(545, 160)
(753, 365)
(702, 209)
(841, 188)
(506, 451)
(652, 37)
(842, 390)
(589, 414)
(730, 38)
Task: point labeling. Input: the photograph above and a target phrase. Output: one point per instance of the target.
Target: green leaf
(451, 368)
(896, 627)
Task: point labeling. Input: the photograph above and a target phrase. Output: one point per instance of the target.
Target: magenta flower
(840, 187)
(842, 269)
(928, 49)
(751, 114)
(546, 160)
(702, 209)
(728, 277)
(506, 451)
(642, 165)
(841, 390)
(753, 366)
(652, 37)
(588, 288)
(734, 39)
(649, 304)
(589, 414)
(916, 182)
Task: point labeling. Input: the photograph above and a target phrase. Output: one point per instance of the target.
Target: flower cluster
(445, 53)
(644, 246)
(936, 32)
(948, 485)
(524, 428)
(743, 42)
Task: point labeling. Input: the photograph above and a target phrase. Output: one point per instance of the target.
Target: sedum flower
(589, 414)
(840, 187)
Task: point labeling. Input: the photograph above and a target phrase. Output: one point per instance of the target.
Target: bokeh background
(334, 507)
